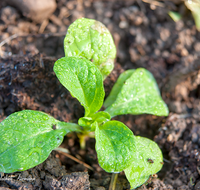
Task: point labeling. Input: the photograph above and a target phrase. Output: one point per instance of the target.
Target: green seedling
(28, 137)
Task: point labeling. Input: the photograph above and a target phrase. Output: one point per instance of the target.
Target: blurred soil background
(31, 40)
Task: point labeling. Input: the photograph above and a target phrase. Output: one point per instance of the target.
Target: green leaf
(147, 160)
(117, 87)
(115, 146)
(83, 80)
(139, 94)
(27, 139)
(194, 6)
(91, 39)
(175, 16)
(85, 121)
(99, 117)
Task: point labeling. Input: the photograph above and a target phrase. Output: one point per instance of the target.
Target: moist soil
(145, 36)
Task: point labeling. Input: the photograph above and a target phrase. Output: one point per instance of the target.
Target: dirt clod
(36, 10)
(73, 181)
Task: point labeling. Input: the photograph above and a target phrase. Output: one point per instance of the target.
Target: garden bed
(145, 36)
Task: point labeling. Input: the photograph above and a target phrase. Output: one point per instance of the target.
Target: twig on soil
(178, 116)
(60, 150)
(165, 160)
(43, 26)
(8, 39)
(113, 181)
(156, 3)
(55, 20)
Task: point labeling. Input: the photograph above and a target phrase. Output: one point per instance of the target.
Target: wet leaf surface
(117, 87)
(27, 139)
(147, 160)
(139, 94)
(84, 81)
(91, 39)
(115, 146)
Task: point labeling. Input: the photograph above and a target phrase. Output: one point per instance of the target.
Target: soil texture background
(31, 40)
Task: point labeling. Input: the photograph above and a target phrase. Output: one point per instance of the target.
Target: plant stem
(113, 181)
(69, 127)
(82, 140)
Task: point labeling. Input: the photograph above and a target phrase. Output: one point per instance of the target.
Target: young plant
(28, 137)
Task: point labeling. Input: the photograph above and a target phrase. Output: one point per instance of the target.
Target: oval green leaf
(27, 139)
(117, 87)
(147, 160)
(91, 39)
(84, 81)
(139, 94)
(115, 146)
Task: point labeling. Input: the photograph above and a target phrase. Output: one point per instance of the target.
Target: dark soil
(145, 36)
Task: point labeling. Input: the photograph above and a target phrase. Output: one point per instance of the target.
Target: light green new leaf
(84, 81)
(91, 39)
(139, 94)
(115, 146)
(101, 116)
(147, 161)
(117, 87)
(27, 139)
(85, 121)
(98, 117)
